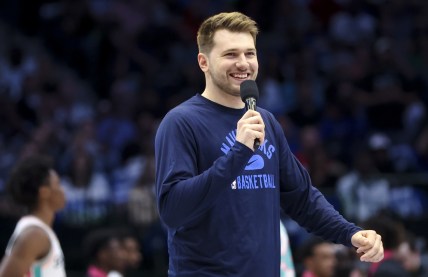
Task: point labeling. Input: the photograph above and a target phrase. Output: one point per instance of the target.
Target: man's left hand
(369, 243)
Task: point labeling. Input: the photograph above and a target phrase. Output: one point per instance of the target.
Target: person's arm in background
(33, 244)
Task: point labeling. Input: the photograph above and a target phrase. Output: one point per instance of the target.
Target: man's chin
(236, 89)
(236, 93)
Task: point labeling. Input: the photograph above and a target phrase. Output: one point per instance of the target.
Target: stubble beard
(225, 86)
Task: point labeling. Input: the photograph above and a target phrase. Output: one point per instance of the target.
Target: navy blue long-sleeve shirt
(220, 201)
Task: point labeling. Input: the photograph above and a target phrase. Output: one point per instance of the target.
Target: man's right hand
(250, 127)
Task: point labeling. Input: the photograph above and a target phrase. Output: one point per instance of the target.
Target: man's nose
(242, 62)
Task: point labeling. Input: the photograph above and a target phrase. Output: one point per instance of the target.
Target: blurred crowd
(404, 254)
(87, 81)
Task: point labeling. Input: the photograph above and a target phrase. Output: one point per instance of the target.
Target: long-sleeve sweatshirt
(220, 201)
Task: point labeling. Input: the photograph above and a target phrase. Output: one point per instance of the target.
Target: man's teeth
(241, 76)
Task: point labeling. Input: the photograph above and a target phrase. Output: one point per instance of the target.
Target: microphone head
(249, 90)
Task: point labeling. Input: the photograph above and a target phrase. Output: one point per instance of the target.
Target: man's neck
(44, 215)
(224, 99)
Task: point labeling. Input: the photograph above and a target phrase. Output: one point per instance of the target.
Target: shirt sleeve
(305, 204)
(183, 193)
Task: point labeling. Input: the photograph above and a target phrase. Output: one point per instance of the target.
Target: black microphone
(250, 95)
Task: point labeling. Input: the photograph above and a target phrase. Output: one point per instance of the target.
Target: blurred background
(88, 81)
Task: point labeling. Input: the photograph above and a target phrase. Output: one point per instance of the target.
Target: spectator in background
(379, 145)
(312, 153)
(133, 255)
(347, 264)
(105, 253)
(318, 258)
(17, 65)
(340, 123)
(392, 233)
(144, 216)
(33, 248)
(412, 255)
(116, 128)
(87, 189)
(141, 207)
(126, 175)
(405, 199)
(362, 194)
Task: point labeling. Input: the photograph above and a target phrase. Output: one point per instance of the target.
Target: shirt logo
(252, 181)
(255, 162)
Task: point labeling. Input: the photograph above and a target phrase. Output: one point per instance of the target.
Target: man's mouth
(241, 76)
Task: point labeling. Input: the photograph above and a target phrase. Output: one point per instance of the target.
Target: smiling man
(218, 196)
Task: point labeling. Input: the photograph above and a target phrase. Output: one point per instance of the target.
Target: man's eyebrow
(236, 49)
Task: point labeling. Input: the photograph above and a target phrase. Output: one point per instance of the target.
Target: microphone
(250, 95)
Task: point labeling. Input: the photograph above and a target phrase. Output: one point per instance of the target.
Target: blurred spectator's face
(410, 259)
(116, 255)
(133, 253)
(323, 261)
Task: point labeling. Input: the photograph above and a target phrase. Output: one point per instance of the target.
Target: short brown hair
(232, 21)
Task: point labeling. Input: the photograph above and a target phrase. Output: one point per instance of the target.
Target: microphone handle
(251, 105)
(256, 143)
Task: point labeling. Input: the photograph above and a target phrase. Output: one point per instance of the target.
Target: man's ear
(203, 62)
(44, 192)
